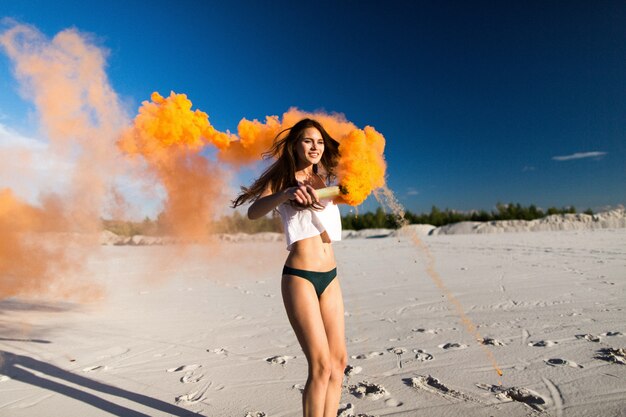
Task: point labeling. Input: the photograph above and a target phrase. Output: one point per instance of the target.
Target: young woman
(305, 161)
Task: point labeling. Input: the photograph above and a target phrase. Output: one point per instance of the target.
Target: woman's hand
(305, 196)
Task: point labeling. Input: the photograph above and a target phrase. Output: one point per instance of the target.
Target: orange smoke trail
(467, 322)
(386, 197)
(80, 115)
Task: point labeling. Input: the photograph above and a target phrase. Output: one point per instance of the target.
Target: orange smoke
(254, 139)
(362, 166)
(167, 123)
(80, 116)
(167, 131)
(33, 248)
(169, 136)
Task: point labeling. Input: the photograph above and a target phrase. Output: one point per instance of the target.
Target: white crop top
(305, 223)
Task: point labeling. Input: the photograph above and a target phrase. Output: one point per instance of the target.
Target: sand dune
(579, 221)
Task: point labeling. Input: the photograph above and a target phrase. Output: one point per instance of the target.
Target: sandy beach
(201, 330)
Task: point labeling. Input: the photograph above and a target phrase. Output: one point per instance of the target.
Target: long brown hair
(282, 173)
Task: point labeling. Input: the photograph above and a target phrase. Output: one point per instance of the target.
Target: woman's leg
(303, 310)
(331, 307)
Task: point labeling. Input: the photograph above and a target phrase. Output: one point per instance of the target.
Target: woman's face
(310, 147)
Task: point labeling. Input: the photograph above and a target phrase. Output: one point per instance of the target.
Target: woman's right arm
(304, 195)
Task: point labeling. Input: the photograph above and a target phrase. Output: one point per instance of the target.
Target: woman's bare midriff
(312, 254)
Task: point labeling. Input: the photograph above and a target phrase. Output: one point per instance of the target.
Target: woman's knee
(339, 364)
(321, 368)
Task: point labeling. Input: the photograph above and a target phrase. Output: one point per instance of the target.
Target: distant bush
(147, 227)
(236, 223)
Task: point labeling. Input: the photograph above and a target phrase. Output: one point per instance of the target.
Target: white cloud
(528, 168)
(411, 191)
(579, 155)
(29, 167)
(11, 138)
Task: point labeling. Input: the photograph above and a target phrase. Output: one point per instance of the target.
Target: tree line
(438, 217)
(379, 219)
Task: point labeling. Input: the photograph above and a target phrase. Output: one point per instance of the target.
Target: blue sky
(477, 101)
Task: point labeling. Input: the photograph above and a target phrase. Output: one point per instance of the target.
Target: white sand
(206, 332)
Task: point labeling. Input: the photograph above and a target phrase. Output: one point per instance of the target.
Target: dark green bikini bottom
(320, 280)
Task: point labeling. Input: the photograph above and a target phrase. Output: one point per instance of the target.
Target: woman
(305, 161)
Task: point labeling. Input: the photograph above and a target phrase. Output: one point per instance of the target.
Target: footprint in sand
(612, 355)
(492, 342)
(299, 387)
(368, 390)
(399, 351)
(218, 351)
(192, 375)
(191, 378)
(392, 402)
(185, 368)
(95, 368)
(193, 397)
(543, 343)
(279, 360)
(588, 337)
(166, 355)
(611, 334)
(255, 414)
(352, 370)
(562, 362)
(520, 394)
(422, 356)
(367, 355)
(429, 331)
(346, 410)
(432, 384)
(453, 346)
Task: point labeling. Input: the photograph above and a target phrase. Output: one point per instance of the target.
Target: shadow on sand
(28, 370)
